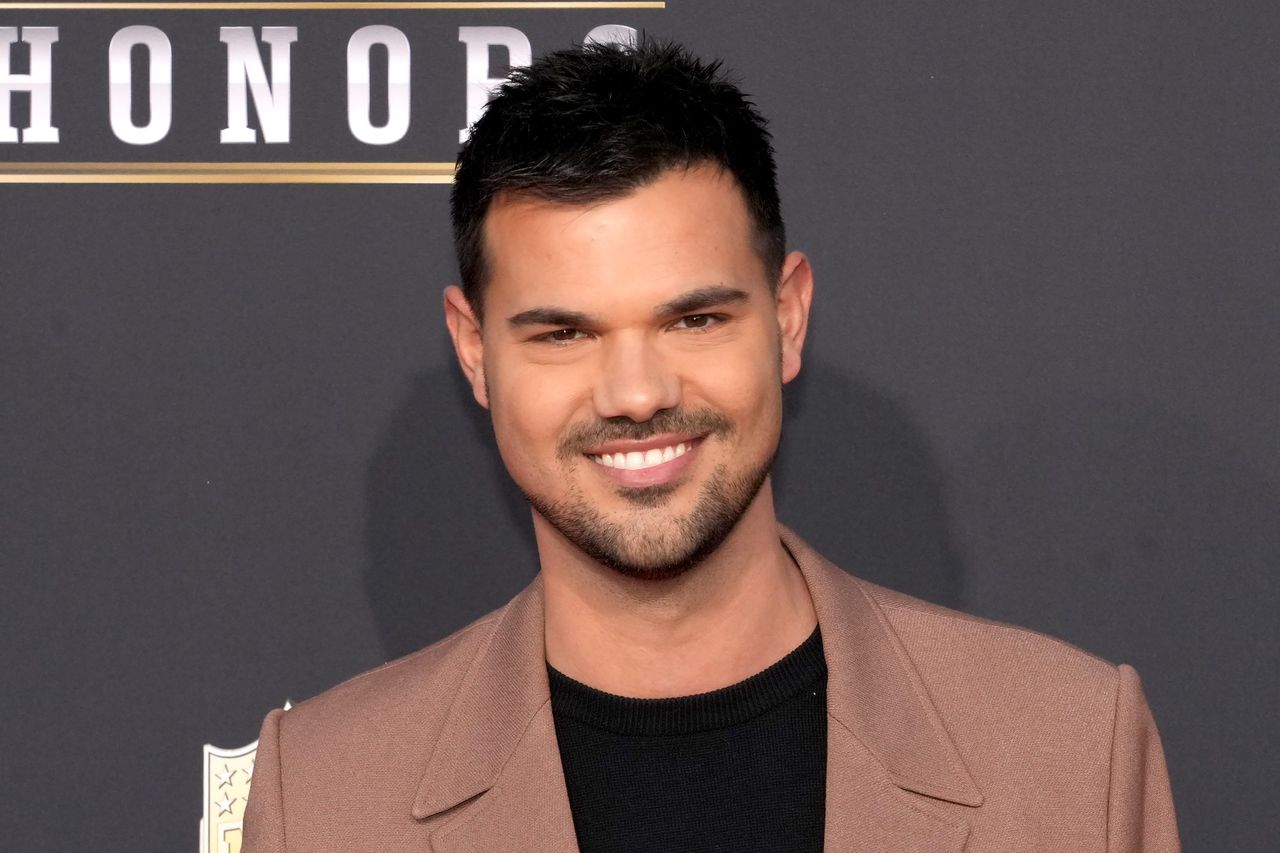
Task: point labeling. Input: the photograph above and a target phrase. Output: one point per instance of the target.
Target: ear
(468, 342)
(795, 294)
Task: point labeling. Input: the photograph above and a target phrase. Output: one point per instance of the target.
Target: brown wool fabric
(945, 733)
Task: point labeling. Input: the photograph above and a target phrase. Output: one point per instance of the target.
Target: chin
(656, 549)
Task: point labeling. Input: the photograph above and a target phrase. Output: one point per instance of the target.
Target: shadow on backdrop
(447, 533)
(859, 481)
(1145, 537)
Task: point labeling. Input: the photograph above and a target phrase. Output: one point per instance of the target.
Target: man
(684, 674)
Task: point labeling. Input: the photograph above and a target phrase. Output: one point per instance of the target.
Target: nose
(635, 382)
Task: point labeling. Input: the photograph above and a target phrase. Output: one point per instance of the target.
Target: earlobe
(795, 295)
(468, 341)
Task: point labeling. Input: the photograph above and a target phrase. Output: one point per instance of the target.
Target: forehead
(688, 227)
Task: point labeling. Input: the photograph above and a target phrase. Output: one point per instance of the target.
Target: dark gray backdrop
(237, 464)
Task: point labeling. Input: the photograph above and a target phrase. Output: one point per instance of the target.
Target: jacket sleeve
(264, 813)
(1140, 816)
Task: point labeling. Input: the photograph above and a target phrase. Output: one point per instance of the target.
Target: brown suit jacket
(945, 733)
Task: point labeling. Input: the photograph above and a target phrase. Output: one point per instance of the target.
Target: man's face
(632, 357)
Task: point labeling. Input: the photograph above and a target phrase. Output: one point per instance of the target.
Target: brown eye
(562, 336)
(697, 321)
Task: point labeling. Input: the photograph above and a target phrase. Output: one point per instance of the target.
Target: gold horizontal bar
(227, 173)
(223, 178)
(335, 5)
(214, 166)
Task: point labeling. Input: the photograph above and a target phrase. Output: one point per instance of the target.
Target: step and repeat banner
(238, 464)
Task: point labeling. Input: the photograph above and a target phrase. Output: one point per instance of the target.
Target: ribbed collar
(685, 715)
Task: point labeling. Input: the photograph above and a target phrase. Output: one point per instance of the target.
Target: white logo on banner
(228, 775)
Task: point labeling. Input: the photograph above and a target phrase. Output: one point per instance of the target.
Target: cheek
(745, 385)
(531, 409)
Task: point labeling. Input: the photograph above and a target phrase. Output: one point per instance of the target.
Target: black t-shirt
(738, 769)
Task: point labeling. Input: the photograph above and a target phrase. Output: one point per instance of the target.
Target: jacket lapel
(526, 809)
(885, 740)
(865, 811)
(894, 778)
(496, 766)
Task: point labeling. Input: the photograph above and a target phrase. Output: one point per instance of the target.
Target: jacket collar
(500, 734)
(499, 697)
(874, 690)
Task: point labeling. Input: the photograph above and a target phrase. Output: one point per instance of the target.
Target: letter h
(39, 83)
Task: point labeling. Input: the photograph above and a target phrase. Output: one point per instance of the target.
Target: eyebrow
(686, 303)
(551, 316)
(700, 300)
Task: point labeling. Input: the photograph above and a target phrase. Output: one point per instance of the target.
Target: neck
(739, 611)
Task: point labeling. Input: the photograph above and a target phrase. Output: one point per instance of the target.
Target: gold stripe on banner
(338, 5)
(226, 173)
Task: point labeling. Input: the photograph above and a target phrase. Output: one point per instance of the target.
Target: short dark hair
(598, 121)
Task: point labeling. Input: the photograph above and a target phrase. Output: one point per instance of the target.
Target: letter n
(246, 75)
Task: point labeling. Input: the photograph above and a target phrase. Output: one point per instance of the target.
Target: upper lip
(657, 442)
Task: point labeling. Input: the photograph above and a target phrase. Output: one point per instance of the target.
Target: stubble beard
(658, 548)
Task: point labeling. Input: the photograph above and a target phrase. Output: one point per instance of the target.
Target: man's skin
(601, 317)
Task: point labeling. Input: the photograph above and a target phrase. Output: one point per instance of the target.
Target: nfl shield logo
(227, 775)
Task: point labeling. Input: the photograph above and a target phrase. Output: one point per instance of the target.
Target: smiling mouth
(638, 460)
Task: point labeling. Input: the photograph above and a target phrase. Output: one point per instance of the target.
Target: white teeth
(637, 460)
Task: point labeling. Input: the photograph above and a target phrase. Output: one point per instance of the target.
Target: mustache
(583, 436)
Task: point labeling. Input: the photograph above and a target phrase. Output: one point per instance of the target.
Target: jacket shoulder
(341, 769)
(1026, 711)
(404, 698)
(1060, 739)
(924, 627)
